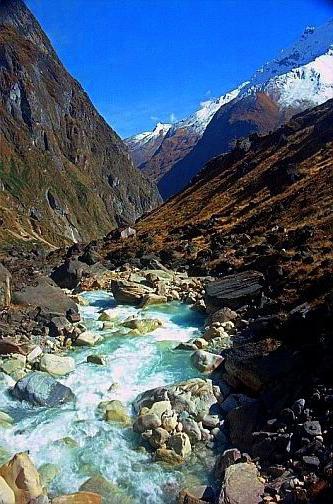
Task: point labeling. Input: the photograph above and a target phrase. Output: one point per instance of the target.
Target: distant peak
(161, 127)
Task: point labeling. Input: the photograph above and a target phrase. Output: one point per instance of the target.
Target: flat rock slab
(241, 485)
(234, 291)
(45, 295)
(40, 389)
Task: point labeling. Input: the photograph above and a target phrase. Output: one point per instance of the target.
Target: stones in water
(191, 428)
(146, 422)
(142, 326)
(168, 456)
(241, 485)
(57, 365)
(87, 338)
(47, 473)
(99, 360)
(41, 389)
(159, 438)
(115, 411)
(196, 396)
(152, 299)
(22, 478)
(206, 362)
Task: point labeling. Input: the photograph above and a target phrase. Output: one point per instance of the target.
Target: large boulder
(69, 274)
(126, 292)
(241, 485)
(41, 389)
(57, 365)
(78, 498)
(115, 411)
(259, 363)
(5, 287)
(22, 477)
(206, 362)
(223, 315)
(88, 338)
(46, 295)
(234, 291)
(7, 495)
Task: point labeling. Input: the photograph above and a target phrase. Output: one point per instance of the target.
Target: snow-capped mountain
(155, 152)
(300, 77)
(143, 145)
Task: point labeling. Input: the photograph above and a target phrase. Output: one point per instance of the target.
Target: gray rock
(312, 428)
(196, 495)
(206, 362)
(59, 326)
(221, 316)
(241, 485)
(69, 274)
(228, 458)
(40, 389)
(159, 438)
(191, 428)
(45, 295)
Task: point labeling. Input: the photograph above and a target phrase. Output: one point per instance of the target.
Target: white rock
(87, 338)
(34, 354)
(57, 365)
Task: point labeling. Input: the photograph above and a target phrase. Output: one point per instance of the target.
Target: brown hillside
(268, 205)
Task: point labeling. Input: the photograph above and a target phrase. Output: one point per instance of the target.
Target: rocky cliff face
(65, 175)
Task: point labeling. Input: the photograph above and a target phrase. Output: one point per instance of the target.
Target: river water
(77, 439)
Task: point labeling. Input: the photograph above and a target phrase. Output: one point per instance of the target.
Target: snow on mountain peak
(313, 43)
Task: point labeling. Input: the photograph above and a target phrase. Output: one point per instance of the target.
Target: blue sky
(143, 61)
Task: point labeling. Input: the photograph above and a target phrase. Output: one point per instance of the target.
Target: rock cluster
(174, 419)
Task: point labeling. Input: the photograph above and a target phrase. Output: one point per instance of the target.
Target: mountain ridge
(298, 78)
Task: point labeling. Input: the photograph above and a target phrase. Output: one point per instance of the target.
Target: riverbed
(78, 440)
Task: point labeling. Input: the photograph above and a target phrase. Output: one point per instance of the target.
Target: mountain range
(299, 78)
(65, 175)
